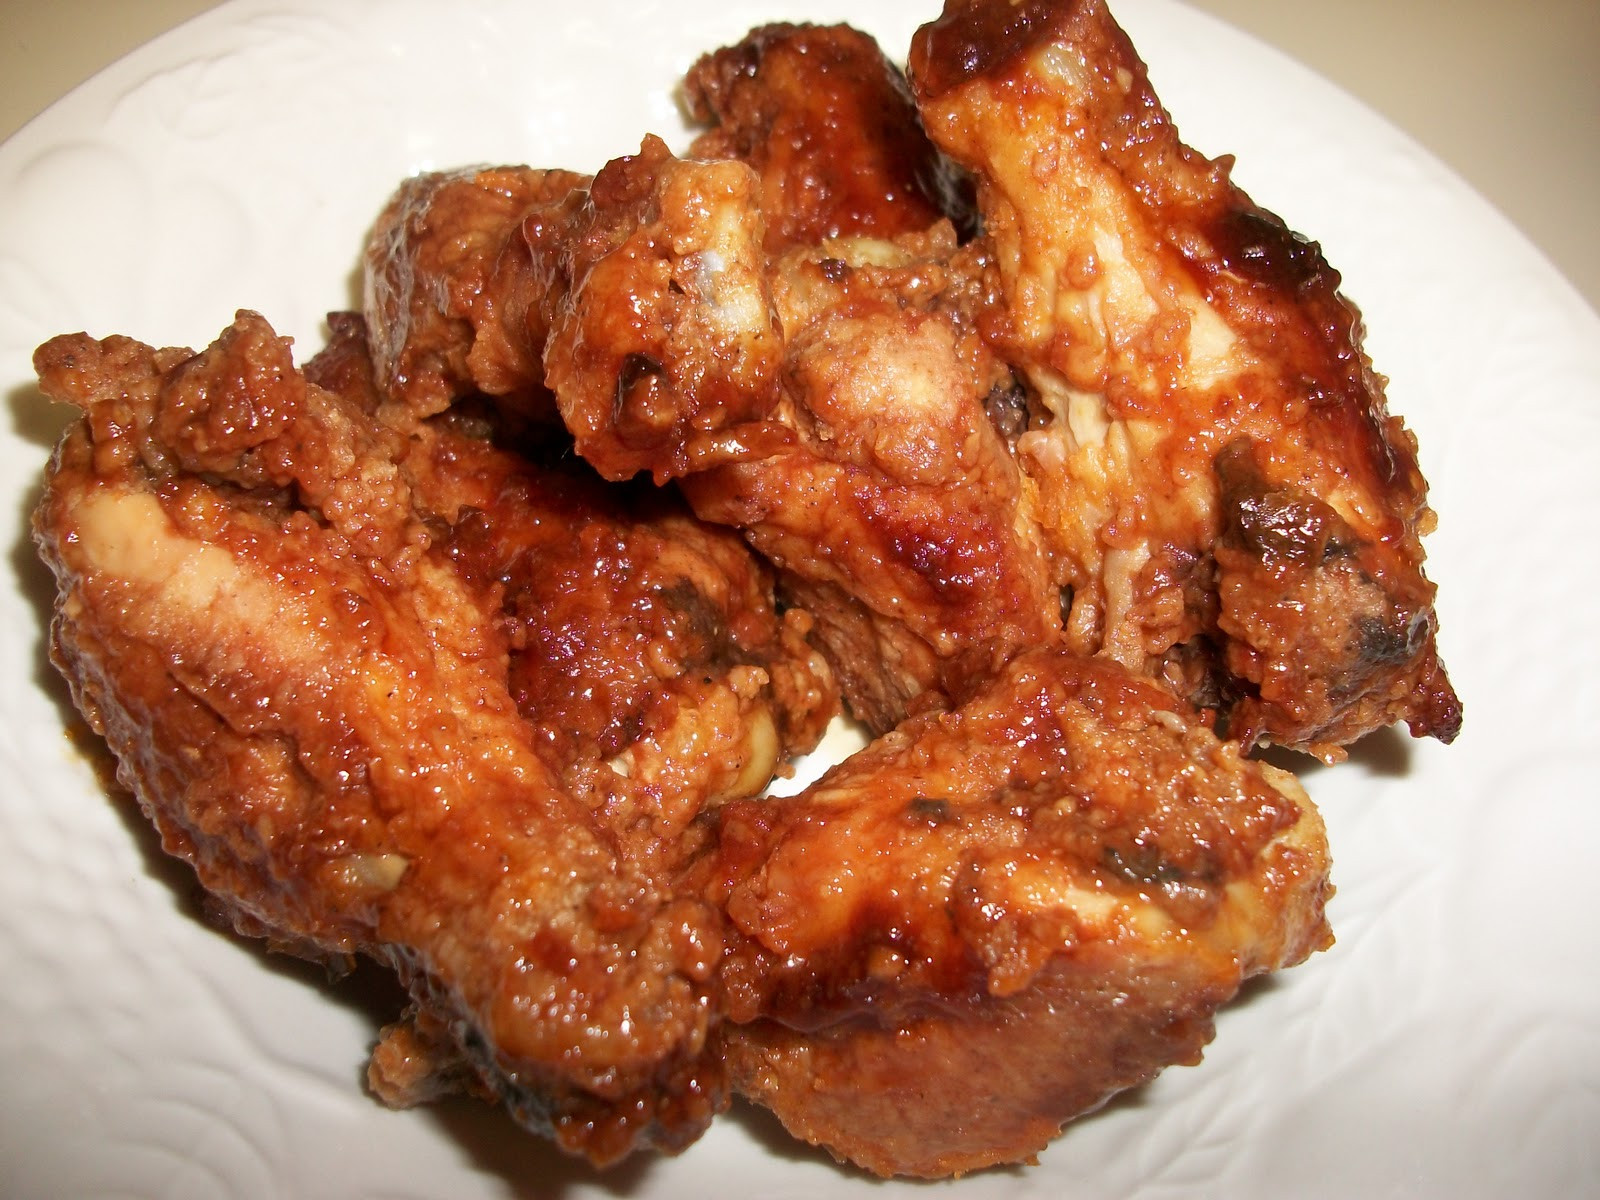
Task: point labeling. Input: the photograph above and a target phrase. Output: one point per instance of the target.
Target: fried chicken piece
(334, 693)
(664, 349)
(1226, 496)
(896, 513)
(449, 294)
(829, 126)
(992, 919)
(645, 651)
(669, 353)
(831, 404)
(642, 645)
(452, 293)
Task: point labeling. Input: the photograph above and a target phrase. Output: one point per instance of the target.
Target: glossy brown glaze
(896, 513)
(1164, 319)
(828, 124)
(642, 645)
(450, 294)
(283, 616)
(1062, 879)
(972, 39)
(664, 352)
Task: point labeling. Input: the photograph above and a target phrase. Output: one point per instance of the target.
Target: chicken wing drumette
(1226, 497)
(834, 403)
(896, 512)
(643, 647)
(393, 692)
(828, 124)
(452, 304)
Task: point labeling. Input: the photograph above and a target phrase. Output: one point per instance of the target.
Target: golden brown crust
(268, 610)
(832, 404)
(1064, 877)
(1191, 386)
(1166, 320)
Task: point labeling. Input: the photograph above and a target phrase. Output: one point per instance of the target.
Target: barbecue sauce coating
(829, 126)
(995, 917)
(316, 671)
(1174, 332)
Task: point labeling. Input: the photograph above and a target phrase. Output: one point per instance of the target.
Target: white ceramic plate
(1450, 1043)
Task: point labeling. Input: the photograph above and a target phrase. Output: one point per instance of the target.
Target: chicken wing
(896, 513)
(642, 645)
(452, 304)
(357, 711)
(992, 919)
(828, 124)
(1226, 497)
(831, 404)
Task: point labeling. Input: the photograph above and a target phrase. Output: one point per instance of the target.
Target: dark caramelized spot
(642, 408)
(1382, 642)
(1259, 247)
(972, 39)
(1142, 864)
(1006, 406)
(1273, 522)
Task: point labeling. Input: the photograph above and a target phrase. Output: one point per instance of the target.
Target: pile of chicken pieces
(968, 398)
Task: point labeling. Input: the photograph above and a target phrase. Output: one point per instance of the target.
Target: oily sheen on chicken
(1135, 399)
(1227, 500)
(993, 919)
(969, 393)
(393, 692)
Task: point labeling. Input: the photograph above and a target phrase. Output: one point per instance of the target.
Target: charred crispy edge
(1298, 538)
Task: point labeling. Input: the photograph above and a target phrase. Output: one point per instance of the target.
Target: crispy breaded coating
(992, 919)
(336, 692)
(1226, 496)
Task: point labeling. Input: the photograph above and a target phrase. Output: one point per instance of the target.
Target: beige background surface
(1509, 97)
